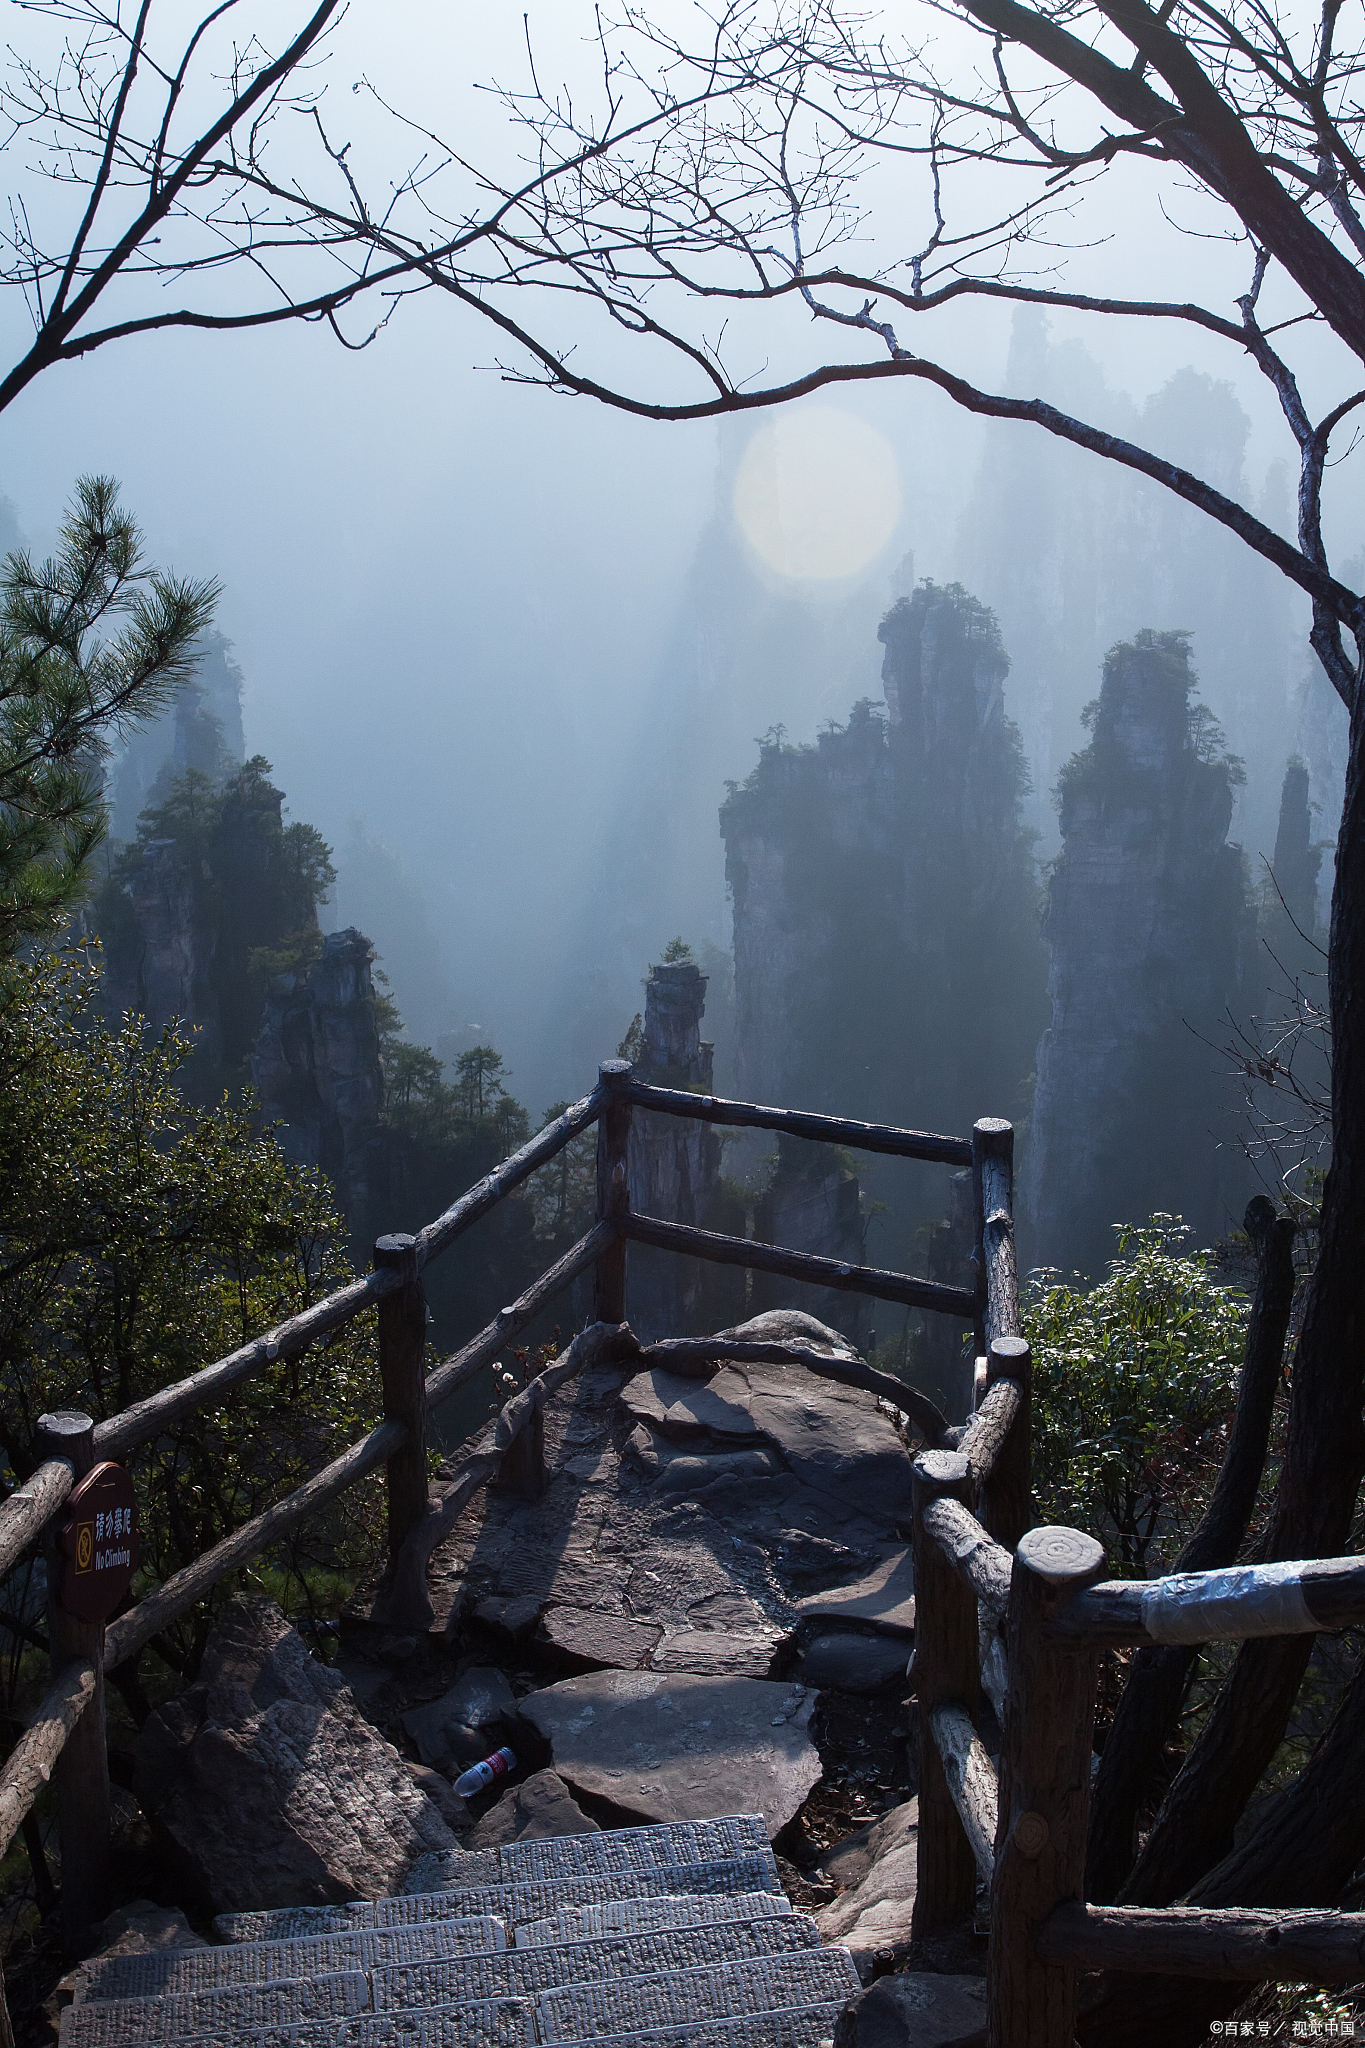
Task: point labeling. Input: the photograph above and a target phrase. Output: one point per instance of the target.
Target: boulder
(878, 1866)
(843, 1662)
(916, 2010)
(641, 1746)
(685, 1409)
(542, 1805)
(448, 1730)
(271, 1785)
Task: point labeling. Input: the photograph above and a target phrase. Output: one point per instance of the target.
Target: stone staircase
(658, 1937)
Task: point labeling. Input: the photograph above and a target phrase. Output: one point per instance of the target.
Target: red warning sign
(97, 1544)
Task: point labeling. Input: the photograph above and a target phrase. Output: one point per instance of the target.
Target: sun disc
(817, 493)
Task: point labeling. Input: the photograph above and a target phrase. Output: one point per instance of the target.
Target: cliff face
(674, 1163)
(317, 1070)
(887, 957)
(1149, 928)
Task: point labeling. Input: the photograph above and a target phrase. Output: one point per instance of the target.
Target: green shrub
(1135, 1383)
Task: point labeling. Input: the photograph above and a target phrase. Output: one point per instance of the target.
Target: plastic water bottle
(479, 1776)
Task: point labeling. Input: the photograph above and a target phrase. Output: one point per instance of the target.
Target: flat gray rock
(916, 2010)
(598, 1641)
(684, 1747)
(844, 1662)
(272, 1785)
(884, 1599)
(541, 1805)
(448, 1727)
(879, 1865)
(684, 1409)
(833, 1439)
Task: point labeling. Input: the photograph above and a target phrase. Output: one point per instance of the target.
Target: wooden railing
(65, 1738)
(1023, 1613)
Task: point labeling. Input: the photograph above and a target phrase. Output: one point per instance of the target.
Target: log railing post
(82, 1769)
(402, 1360)
(945, 1671)
(613, 1190)
(993, 1188)
(1007, 1493)
(1044, 1794)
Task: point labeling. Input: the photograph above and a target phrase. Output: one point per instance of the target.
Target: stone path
(696, 1524)
(657, 1937)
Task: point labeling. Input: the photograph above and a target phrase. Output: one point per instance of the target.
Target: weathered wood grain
(402, 1373)
(808, 1266)
(519, 1166)
(801, 1123)
(23, 1515)
(984, 1564)
(945, 1672)
(1242, 1943)
(1044, 1796)
(971, 1780)
(31, 1762)
(613, 1190)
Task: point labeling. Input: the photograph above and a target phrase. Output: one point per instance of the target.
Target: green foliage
(1135, 1383)
(675, 951)
(140, 1239)
(91, 643)
(254, 886)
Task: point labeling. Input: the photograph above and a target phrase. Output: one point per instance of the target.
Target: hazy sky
(457, 602)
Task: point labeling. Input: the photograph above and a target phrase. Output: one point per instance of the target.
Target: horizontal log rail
(971, 1780)
(447, 1378)
(982, 1441)
(973, 1554)
(29, 1764)
(146, 1419)
(22, 1516)
(680, 1352)
(1241, 1943)
(135, 1629)
(184, 1589)
(1300, 1597)
(801, 1123)
(519, 1166)
(807, 1266)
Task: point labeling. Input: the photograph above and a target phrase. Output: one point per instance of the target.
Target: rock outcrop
(270, 1787)
(317, 1069)
(674, 1162)
(876, 1868)
(1149, 926)
(887, 962)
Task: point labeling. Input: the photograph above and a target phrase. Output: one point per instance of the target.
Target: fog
(505, 649)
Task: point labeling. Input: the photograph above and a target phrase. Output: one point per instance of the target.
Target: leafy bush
(141, 1237)
(1135, 1383)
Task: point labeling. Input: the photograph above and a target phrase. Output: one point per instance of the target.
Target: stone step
(612, 1850)
(642, 1916)
(453, 1979)
(681, 1999)
(168, 1972)
(511, 2024)
(514, 1905)
(103, 2022)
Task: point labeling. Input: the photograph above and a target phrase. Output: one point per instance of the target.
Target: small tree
(1135, 1382)
(91, 642)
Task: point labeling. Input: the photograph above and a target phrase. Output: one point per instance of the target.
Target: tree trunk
(1324, 1460)
(1149, 1711)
